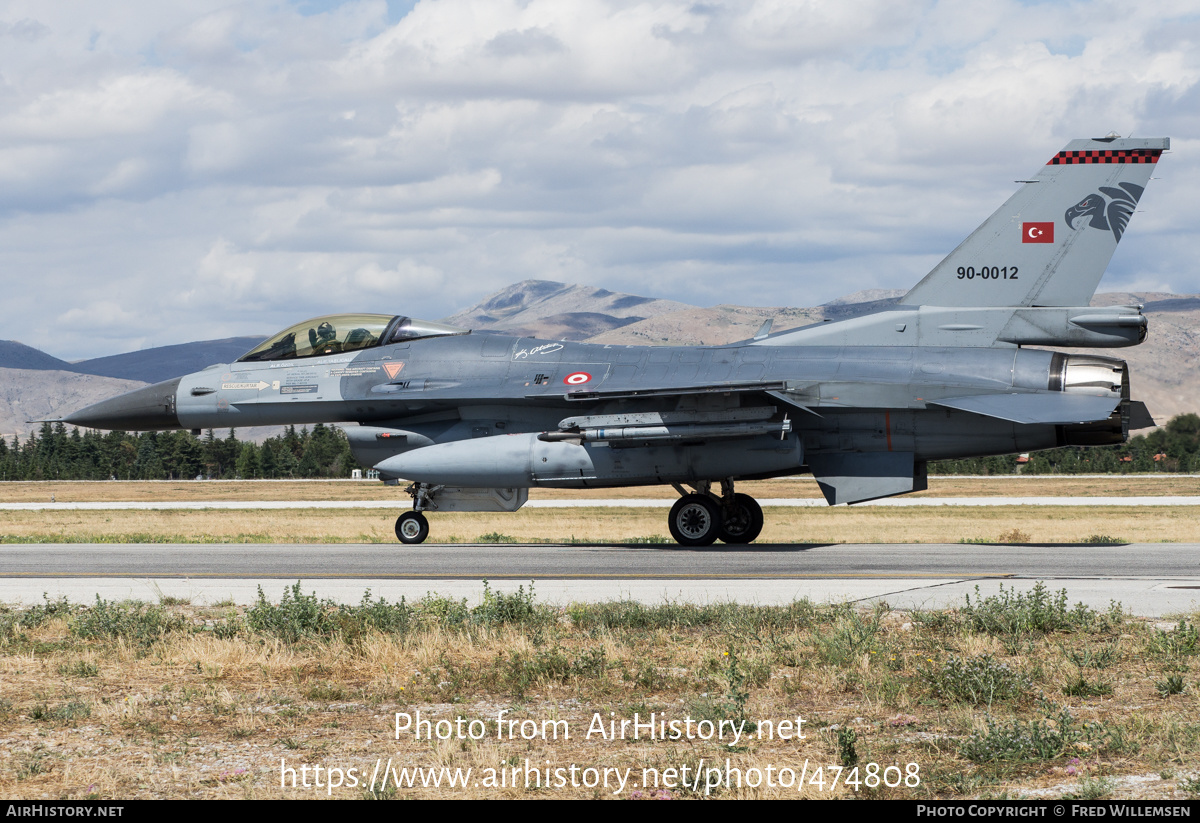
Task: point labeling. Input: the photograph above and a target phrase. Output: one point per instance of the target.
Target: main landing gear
(701, 518)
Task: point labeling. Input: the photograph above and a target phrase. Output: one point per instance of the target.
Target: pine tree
(248, 463)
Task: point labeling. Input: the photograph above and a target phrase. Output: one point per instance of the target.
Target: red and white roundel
(577, 378)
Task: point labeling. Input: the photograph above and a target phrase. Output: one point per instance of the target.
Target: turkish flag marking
(1037, 232)
(393, 369)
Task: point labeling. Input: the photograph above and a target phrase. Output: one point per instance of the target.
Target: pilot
(323, 337)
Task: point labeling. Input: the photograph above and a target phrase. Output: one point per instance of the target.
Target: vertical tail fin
(1050, 243)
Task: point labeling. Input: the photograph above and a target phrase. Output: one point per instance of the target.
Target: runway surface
(1150, 579)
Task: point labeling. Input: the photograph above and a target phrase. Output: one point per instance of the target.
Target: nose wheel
(412, 527)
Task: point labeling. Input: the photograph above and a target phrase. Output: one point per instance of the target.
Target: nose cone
(147, 409)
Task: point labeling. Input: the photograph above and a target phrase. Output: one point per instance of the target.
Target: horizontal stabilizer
(1139, 416)
(852, 477)
(1050, 408)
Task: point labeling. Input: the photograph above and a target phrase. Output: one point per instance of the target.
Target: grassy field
(791, 487)
(1013, 696)
(1016, 524)
(1007, 524)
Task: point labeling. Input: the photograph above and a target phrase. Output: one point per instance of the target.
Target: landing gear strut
(701, 517)
(413, 526)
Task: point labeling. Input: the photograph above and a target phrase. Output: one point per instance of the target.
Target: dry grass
(1037, 524)
(791, 487)
(193, 715)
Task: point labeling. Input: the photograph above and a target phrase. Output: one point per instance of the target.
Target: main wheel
(412, 527)
(743, 522)
(695, 520)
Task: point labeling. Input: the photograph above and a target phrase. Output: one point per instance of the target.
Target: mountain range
(35, 385)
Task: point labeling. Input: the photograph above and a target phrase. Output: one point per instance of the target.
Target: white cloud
(226, 168)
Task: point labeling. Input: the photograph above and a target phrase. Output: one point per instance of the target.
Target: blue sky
(193, 170)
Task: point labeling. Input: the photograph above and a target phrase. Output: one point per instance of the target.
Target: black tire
(412, 527)
(695, 520)
(743, 522)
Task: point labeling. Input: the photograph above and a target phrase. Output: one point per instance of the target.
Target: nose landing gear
(413, 526)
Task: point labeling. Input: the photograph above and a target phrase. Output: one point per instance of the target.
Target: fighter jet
(472, 421)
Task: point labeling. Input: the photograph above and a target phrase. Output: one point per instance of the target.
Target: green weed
(1089, 658)
(297, 616)
(64, 713)
(519, 671)
(138, 623)
(1093, 788)
(732, 705)
(37, 615)
(325, 691)
(80, 668)
(979, 681)
(940, 622)
(1038, 612)
(1034, 741)
(496, 537)
(1184, 639)
(847, 640)
(754, 621)
(1080, 686)
(847, 740)
(1173, 684)
(591, 663)
(33, 764)
(499, 608)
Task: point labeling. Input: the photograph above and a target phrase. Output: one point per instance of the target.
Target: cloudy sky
(205, 168)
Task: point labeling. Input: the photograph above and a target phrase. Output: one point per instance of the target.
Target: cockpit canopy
(337, 333)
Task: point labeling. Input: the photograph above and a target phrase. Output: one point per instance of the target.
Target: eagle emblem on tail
(1108, 210)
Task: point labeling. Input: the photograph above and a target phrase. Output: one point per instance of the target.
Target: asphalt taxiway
(1148, 579)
